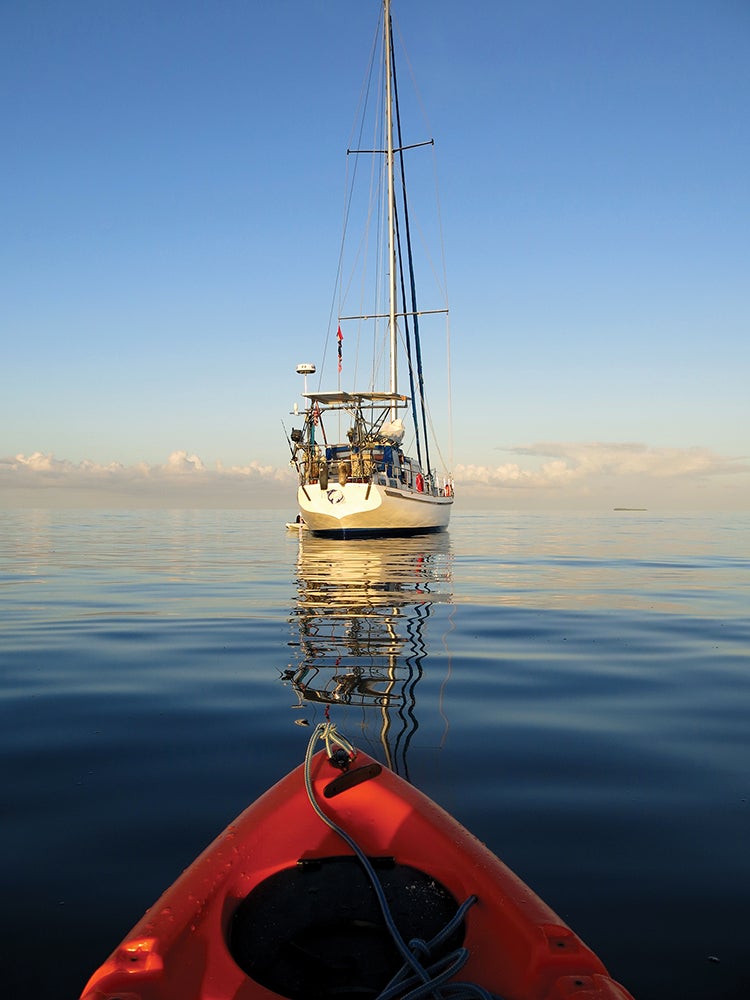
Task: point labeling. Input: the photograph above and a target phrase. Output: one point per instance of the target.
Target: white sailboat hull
(371, 509)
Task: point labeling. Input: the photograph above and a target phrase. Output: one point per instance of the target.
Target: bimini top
(347, 398)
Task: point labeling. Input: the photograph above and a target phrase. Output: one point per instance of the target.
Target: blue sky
(170, 217)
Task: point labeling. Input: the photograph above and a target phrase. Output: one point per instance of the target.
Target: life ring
(419, 483)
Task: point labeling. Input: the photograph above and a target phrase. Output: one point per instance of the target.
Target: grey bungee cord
(413, 981)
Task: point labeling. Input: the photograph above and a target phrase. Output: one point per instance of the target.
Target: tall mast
(391, 200)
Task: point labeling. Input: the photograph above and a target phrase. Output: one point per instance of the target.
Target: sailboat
(355, 477)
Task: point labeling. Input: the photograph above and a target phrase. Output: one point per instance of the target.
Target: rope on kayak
(416, 979)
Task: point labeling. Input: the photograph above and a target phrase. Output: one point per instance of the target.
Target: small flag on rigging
(339, 337)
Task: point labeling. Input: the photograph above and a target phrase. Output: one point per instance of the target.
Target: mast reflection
(360, 629)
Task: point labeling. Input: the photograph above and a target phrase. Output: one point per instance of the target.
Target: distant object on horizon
(630, 508)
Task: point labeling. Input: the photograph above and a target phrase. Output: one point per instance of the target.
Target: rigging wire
(371, 85)
(349, 188)
(410, 260)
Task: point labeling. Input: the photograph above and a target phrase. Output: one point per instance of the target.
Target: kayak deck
(280, 906)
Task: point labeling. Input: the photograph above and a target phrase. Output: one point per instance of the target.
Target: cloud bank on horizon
(542, 474)
(581, 462)
(183, 480)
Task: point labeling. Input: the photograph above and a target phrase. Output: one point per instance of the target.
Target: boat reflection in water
(360, 629)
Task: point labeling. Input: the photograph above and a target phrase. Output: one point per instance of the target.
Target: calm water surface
(575, 689)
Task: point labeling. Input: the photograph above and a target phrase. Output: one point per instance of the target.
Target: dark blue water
(575, 689)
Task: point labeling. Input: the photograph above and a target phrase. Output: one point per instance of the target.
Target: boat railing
(344, 465)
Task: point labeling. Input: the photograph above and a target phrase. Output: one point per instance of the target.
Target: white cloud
(541, 474)
(179, 463)
(598, 471)
(41, 478)
(638, 459)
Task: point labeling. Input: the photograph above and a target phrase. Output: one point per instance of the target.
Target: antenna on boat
(305, 369)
